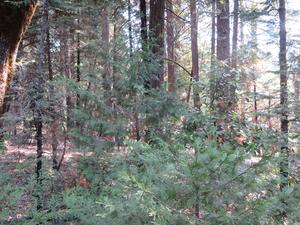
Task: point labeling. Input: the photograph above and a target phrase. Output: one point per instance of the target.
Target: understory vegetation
(134, 112)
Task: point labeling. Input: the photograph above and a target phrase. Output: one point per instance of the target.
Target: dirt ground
(17, 178)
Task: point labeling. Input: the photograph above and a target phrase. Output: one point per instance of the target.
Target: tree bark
(38, 86)
(53, 124)
(223, 89)
(255, 116)
(170, 46)
(78, 61)
(296, 82)
(105, 61)
(156, 29)
(235, 34)
(244, 76)
(223, 31)
(284, 123)
(194, 47)
(14, 19)
(213, 52)
(213, 32)
(143, 17)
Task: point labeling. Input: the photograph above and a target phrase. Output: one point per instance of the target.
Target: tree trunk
(284, 124)
(255, 116)
(53, 124)
(243, 75)
(269, 111)
(213, 52)
(296, 82)
(14, 19)
(223, 31)
(143, 17)
(130, 28)
(195, 56)
(156, 28)
(38, 85)
(170, 46)
(235, 34)
(105, 61)
(223, 87)
(78, 61)
(213, 32)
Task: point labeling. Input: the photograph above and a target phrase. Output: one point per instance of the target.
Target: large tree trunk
(195, 56)
(284, 104)
(14, 20)
(156, 28)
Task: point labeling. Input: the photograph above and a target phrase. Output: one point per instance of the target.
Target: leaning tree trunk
(14, 19)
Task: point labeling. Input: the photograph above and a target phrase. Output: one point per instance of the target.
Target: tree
(194, 48)
(223, 31)
(105, 40)
(170, 46)
(14, 19)
(143, 18)
(284, 123)
(235, 34)
(223, 90)
(156, 29)
(212, 51)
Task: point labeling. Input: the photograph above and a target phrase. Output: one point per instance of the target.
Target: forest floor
(17, 178)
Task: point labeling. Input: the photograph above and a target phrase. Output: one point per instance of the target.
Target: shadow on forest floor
(17, 179)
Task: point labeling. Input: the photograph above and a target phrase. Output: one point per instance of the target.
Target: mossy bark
(15, 17)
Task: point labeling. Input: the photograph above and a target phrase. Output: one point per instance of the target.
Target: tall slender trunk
(136, 114)
(255, 116)
(171, 46)
(243, 75)
(284, 123)
(195, 74)
(195, 55)
(223, 31)
(253, 57)
(213, 33)
(78, 61)
(296, 82)
(212, 52)
(235, 34)
(66, 69)
(143, 17)
(38, 123)
(223, 87)
(130, 28)
(106, 49)
(156, 29)
(38, 85)
(53, 123)
(269, 111)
